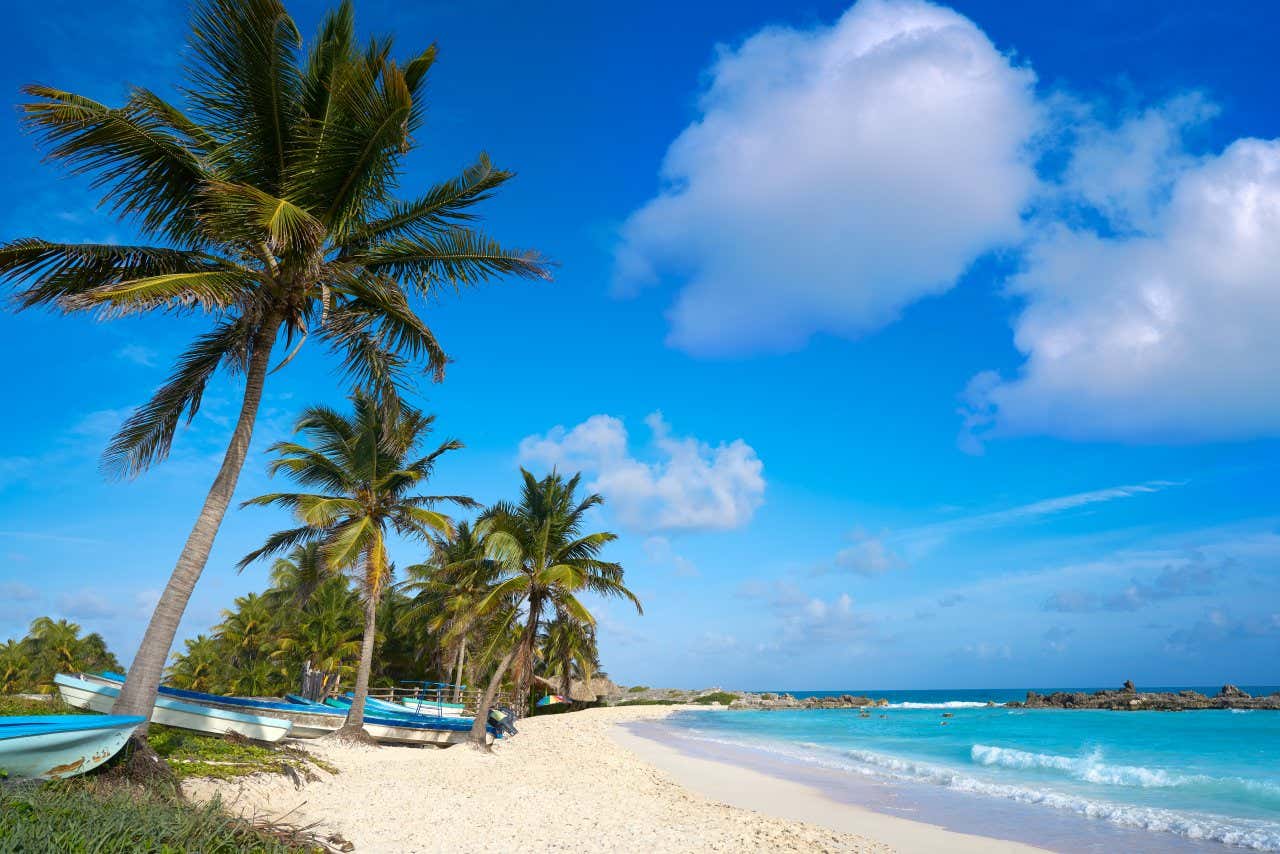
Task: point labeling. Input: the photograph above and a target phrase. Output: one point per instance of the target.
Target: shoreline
(567, 783)
(749, 789)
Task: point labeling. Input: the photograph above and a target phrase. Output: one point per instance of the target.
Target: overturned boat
(45, 747)
(100, 695)
(307, 722)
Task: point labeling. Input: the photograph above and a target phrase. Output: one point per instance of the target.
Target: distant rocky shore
(1127, 698)
(1130, 699)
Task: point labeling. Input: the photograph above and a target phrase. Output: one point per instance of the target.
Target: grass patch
(77, 816)
(724, 698)
(636, 689)
(651, 703)
(191, 754)
(21, 706)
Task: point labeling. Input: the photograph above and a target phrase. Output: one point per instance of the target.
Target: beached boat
(431, 707)
(307, 722)
(47, 746)
(100, 695)
(407, 728)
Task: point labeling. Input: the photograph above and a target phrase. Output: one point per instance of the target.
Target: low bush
(191, 754)
(636, 689)
(21, 706)
(724, 698)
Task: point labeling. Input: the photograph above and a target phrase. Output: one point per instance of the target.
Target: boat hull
(306, 723)
(389, 733)
(101, 696)
(436, 710)
(46, 752)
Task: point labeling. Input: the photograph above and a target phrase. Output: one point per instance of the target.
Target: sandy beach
(573, 782)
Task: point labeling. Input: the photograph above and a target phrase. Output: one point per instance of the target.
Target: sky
(911, 345)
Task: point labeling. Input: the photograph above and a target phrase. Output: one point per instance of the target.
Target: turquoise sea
(1069, 780)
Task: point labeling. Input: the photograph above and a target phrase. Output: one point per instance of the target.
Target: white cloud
(804, 622)
(867, 555)
(834, 176)
(689, 485)
(139, 354)
(86, 603)
(660, 551)
(1160, 326)
(16, 591)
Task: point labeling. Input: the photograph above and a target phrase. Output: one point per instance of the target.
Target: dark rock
(1232, 692)
(1128, 686)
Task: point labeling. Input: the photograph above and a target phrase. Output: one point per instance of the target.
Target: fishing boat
(431, 707)
(100, 695)
(307, 723)
(43, 747)
(406, 728)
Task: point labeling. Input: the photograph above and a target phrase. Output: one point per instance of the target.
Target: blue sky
(912, 345)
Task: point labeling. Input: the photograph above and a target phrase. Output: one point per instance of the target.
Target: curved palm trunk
(457, 675)
(527, 642)
(566, 679)
(138, 696)
(478, 729)
(355, 717)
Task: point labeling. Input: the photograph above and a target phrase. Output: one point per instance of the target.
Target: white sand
(568, 783)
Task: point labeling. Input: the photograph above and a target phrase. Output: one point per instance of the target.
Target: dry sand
(568, 783)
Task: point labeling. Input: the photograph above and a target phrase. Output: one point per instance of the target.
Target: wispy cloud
(139, 354)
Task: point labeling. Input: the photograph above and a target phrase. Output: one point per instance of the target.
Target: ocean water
(1091, 780)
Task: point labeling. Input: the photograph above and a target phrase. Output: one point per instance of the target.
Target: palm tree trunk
(527, 642)
(457, 672)
(355, 717)
(566, 680)
(478, 729)
(138, 696)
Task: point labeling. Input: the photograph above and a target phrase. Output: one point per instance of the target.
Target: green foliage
(724, 698)
(191, 754)
(76, 818)
(19, 706)
(651, 703)
(269, 198)
(767, 696)
(51, 646)
(636, 689)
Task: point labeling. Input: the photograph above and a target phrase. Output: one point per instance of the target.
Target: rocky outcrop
(786, 701)
(1129, 699)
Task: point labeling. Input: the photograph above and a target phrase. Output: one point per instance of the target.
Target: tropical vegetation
(266, 204)
(27, 665)
(366, 475)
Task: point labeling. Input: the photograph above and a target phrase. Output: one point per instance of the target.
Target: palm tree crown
(267, 204)
(366, 478)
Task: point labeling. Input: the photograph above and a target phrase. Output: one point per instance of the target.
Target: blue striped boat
(47, 746)
(408, 728)
(100, 696)
(307, 723)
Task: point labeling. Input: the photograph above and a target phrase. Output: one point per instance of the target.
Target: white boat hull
(433, 710)
(306, 724)
(101, 697)
(415, 735)
(61, 754)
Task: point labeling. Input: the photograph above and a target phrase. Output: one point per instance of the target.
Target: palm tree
(296, 577)
(448, 587)
(367, 480)
(326, 633)
(268, 207)
(201, 667)
(569, 650)
(546, 562)
(15, 667)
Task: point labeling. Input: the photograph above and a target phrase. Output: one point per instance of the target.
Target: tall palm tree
(268, 207)
(362, 466)
(447, 589)
(546, 561)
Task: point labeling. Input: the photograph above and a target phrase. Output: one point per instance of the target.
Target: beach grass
(21, 706)
(83, 816)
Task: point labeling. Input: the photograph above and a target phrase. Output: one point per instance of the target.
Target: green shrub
(650, 703)
(10, 706)
(636, 689)
(768, 696)
(724, 698)
(190, 754)
(73, 816)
